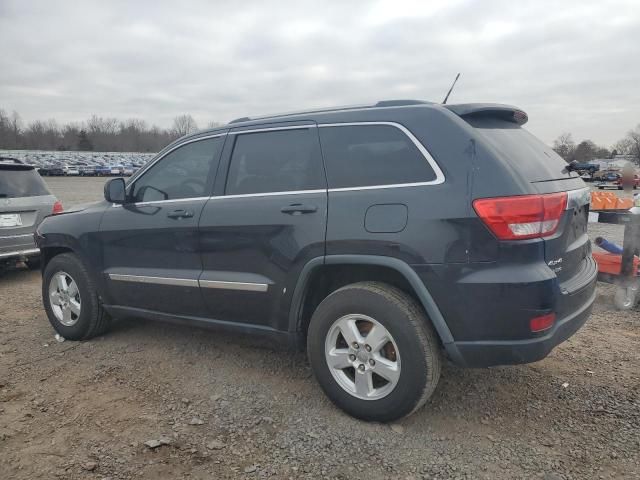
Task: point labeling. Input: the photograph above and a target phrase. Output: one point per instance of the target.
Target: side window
(183, 173)
(276, 161)
(367, 155)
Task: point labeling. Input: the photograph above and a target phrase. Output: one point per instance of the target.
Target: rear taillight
(544, 322)
(57, 208)
(522, 217)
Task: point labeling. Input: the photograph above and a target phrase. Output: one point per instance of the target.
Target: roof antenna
(449, 92)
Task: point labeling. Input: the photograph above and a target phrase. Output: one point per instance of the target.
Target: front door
(150, 244)
(267, 219)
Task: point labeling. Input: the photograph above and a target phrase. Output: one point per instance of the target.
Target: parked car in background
(424, 254)
(52, 170)
(116, 170)
(71, 170)
(590, 168)
(606, 176)
(88, 170)
(24, 201)
(607, 180)
(103, 170)
(128, 170)
(633, 183)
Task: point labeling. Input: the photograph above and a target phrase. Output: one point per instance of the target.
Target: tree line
(95, 134)
(134, 135)
(587, 150)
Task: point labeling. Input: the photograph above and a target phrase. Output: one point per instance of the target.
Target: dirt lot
(229, 407)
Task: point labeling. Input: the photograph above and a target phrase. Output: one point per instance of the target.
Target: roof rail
(400, 103)
(241, 119)
(384, 103)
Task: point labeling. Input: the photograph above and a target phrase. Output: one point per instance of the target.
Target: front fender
(75, 232)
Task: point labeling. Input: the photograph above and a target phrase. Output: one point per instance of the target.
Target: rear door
(267, 219)
(24, 202)
(150, 244)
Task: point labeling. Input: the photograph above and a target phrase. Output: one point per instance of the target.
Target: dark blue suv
(383, 238)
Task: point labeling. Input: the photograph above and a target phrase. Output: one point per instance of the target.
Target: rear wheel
(373, 351)
(71, 300)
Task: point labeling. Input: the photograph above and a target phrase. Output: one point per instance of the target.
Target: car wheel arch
(298, 316)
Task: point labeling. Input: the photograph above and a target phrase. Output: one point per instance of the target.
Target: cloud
(571, 66)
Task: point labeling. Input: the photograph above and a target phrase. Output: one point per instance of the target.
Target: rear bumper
(489, 353)
(18, 246)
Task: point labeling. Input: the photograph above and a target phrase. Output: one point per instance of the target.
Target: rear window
(18, 182)
(523, 152)
(369, 155)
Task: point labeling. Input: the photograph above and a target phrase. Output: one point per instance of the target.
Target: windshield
(21, 182)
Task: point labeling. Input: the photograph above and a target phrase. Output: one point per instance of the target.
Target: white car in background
(71, 170)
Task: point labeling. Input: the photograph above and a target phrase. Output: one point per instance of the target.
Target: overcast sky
(571, 66)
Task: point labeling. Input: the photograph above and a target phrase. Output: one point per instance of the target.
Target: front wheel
(71, 300)
(373, 351)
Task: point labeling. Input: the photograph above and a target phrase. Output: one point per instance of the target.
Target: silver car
(24, 201)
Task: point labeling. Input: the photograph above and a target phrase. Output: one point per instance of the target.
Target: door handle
(299, 208)
(180, 213)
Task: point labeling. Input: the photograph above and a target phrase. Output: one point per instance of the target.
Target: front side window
(183, 173)
(275, 161)
(369, 155)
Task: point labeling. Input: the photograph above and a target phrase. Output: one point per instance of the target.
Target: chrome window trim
(178, 282)
(155, 202)
(379, 187)
(423, 150)
(140, 172)
(273, 129)
(225, 285)
(269, 194)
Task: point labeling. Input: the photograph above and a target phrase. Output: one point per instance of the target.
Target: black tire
(93, 319)
(412, 332)
(33, 263)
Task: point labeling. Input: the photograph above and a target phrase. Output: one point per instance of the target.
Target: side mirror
(114, 191)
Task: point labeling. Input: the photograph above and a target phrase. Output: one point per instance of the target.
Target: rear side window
(368, 155)
(275, 161)
(525, 153)
(18, 182)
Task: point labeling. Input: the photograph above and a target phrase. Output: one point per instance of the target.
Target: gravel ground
(219, 406)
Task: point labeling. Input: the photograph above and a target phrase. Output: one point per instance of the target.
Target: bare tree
(586, 151)
(623, 146)
(565, 146)
(633, 136)
(183, 125)
(97, 133)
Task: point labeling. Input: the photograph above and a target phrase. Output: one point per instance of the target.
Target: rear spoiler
(496, 110)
